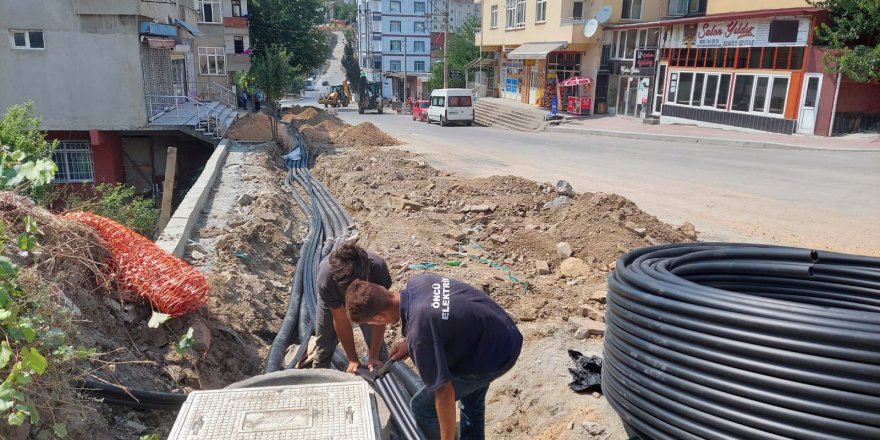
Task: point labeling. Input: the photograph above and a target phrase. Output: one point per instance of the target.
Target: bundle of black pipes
(329, 224)
(732, 341)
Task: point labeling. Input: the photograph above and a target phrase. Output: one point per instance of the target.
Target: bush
(115, 201)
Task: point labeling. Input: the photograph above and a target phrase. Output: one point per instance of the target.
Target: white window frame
(399, 46)
(510, 15)
(540, 11)
(395, 26)
(678, 10)
(392, 4)
(419, 7)
(416, 66)
(493, 17)
(73, 149)
(631, 15)
(419, 27)
(417, 48)
(391, 65)
(521, 14)
(728, 106)
(237, 13)
(770, 80)
(717, 76)
(216, 11)
(27, 39)
(216, 53)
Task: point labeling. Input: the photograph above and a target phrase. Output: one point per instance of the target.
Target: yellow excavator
(339, 96)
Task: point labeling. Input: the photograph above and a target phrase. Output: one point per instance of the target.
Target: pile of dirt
(501, 234)
(364, 135)
(309, 116)
(253, 127)
(322, 132)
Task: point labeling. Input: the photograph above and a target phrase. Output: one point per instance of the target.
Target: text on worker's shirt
(441, 297)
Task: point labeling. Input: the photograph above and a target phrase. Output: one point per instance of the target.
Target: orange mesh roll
(171, 284)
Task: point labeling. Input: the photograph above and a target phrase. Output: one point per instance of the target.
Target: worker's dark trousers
(327, 340)
(470, 391)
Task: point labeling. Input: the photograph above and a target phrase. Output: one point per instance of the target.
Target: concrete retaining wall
(179, 228)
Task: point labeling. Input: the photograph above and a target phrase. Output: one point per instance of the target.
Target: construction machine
(338, 96)
(369, 95)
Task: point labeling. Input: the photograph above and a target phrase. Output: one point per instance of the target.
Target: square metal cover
(344, 410)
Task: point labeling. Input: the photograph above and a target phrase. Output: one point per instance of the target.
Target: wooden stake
(168, 187)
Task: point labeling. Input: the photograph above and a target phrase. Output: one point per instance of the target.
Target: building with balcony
(538, 43)
(395, 45)
(111, 80)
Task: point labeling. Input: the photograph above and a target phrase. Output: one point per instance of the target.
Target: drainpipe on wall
(834, 105)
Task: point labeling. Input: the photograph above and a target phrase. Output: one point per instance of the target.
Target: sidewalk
(616, 126)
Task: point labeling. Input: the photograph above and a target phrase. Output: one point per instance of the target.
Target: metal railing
(212, 91)
(571, 21)
(183, 110)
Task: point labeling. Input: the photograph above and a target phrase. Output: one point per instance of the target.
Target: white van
(451, 105)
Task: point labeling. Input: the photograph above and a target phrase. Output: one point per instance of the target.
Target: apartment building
(394, 45)
(459, 12)
(111, 79)
(750, 65)
(538, 43)
(224, 48)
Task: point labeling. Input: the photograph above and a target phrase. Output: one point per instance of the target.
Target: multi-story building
(224, 48)
(750, 64)
(538, 43)
(459, 12)
(394, 45)
(112, 81)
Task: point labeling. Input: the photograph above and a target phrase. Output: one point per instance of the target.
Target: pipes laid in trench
(729, 341)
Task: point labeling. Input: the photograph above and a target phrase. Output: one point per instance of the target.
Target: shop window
(760, 101)
(699, 78)
(631, 36)
(754, 58)
(742, 92)
(797, 58)
(723, 91)
(632, 10)
(673, 86)
(783, 31)
(685, 85)
(711, 91)
(778, 92)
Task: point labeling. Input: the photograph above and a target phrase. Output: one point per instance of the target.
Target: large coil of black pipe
(740, 341)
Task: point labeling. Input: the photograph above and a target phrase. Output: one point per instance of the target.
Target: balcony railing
(235, 22)
(570, 21)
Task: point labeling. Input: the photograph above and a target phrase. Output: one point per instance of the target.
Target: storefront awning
(535, 51)
(480, 63)
(191, 28)
(159, 43)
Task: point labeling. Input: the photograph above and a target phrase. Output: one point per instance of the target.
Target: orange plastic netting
(171, 284)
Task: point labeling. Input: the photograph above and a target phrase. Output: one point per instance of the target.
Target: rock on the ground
(689, 231)
(592, 313)
(563, 249)
(635, 228)
(593, 428)
(556, 203)
(598, 198)
(542, 267)
(599, 296)
(574, 267)
(196, 255)
(245, 199)
(564, 188)
(590, 328)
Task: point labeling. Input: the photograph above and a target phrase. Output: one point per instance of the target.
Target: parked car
(310, 84)
(420, 110)
(451, 105)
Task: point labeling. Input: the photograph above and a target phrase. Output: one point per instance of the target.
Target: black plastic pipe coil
(733, 341)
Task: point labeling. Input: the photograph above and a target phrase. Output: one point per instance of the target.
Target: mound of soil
(323, 131)
(251, 127)
(364, 135)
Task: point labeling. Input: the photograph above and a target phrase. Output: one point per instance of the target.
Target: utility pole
(446, 48)
(405, 81)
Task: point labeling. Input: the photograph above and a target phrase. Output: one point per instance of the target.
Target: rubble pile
(363, 135)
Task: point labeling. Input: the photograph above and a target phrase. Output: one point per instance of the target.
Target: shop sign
(645, 58)
(455, 74)
(737, 33)
(629, 70)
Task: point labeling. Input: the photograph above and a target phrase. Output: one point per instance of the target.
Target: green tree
(345, 11)
(291, 25)
(461, 51)
(274, 75)
(853, 28)
(349, 60)
(20, 130)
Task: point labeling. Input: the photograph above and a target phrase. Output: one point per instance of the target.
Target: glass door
(809, 103)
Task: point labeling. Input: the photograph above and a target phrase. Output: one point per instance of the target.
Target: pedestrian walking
(256, 101)
(458, 337)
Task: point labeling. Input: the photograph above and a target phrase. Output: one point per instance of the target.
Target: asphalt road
(809, 198)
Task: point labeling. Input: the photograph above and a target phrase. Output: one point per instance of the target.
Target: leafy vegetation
(853, 28)
(115, 201)
(289, 25)
(461, 51)
(350, 61)
(273, 74)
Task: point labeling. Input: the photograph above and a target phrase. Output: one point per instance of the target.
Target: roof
(191, 28)
(480, 63)
(719, 17)
(535, 51)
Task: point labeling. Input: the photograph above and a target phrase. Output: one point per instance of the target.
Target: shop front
(742, 72)
(632, 85)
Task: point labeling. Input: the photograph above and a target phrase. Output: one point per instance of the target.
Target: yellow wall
(721, 6)
(553, 29)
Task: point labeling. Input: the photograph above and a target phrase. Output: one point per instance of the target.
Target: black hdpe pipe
(139, 399)
(716, 341)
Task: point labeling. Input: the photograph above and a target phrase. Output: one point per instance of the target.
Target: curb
(701, 140)
(179, 228)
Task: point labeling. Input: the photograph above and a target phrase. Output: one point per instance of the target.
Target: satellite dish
(591, 27)
(604, 14)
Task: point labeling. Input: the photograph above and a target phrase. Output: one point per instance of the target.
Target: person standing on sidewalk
(459, 339)
(346, 263)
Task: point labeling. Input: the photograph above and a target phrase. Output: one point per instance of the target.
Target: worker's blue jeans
(470, 391)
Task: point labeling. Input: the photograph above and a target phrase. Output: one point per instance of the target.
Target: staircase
(511, 115)
(208, 120)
